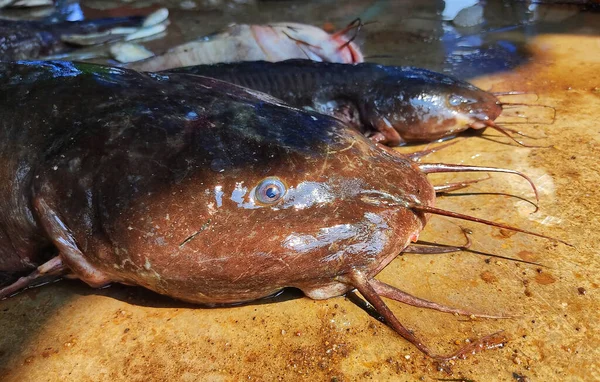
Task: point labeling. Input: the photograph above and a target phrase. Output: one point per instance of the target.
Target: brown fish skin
(151, 182)
(395, 105)
(29, 40)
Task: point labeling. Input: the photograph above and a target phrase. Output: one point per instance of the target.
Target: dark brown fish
(391, 104)
(138, 188)
(198, 189)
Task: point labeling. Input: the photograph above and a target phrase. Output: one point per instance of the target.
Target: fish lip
(477, 125)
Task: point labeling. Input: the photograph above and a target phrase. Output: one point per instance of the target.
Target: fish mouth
(405, 229)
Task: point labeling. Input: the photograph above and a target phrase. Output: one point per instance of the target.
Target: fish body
(393, 104)
(192, 187)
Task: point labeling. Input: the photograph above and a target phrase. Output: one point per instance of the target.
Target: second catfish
(392, 105)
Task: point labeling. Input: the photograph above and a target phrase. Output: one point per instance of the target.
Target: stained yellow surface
(66, 331)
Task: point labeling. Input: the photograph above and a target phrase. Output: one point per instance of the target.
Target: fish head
(422, 105)
(214, 194)
(289, 199)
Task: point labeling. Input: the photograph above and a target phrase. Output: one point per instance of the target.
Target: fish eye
(455, 100)
(270, 190)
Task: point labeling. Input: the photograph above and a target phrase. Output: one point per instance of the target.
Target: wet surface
(67, 331)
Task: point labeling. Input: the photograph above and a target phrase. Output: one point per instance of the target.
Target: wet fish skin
(399, 104)
(155, 186)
